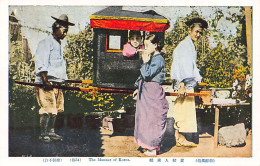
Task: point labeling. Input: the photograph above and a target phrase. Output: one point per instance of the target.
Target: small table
(217, 107)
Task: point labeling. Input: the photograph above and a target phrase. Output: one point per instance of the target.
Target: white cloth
(223, 101)
(49, 58)
(170, 99)
(184, 69)
(184, 62)
(184, 114)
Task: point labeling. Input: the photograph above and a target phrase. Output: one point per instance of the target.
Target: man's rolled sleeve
(42, 57)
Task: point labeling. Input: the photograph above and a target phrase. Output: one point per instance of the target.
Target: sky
(40, 17)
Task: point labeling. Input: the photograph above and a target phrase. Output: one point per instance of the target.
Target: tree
(219, 68)
(21, 98)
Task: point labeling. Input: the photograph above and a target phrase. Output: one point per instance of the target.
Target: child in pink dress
(132, 48)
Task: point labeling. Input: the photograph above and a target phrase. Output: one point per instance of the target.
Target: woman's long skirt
(150, 116)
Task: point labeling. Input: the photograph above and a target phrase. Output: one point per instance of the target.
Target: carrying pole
(80, 81)
(94, 90)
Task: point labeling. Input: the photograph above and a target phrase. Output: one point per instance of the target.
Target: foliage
(22, 99)
(18, 68)
(219, 68)
(79, 55)
(36, 29)
(242, 86)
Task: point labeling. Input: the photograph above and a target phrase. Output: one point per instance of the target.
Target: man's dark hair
(194, 24)
(201, 22)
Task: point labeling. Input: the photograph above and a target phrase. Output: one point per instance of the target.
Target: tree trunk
(248, 19)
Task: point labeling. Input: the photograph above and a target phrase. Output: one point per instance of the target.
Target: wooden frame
(123, 34)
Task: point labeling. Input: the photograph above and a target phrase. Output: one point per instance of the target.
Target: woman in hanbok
(151, 104)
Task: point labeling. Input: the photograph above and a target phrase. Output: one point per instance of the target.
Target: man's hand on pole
(182, 91)
(46, 83)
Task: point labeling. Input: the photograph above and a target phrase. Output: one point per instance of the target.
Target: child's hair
(155, 40)
(132, 33)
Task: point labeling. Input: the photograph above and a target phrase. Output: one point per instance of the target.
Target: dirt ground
(124, 146)
(99, 142)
